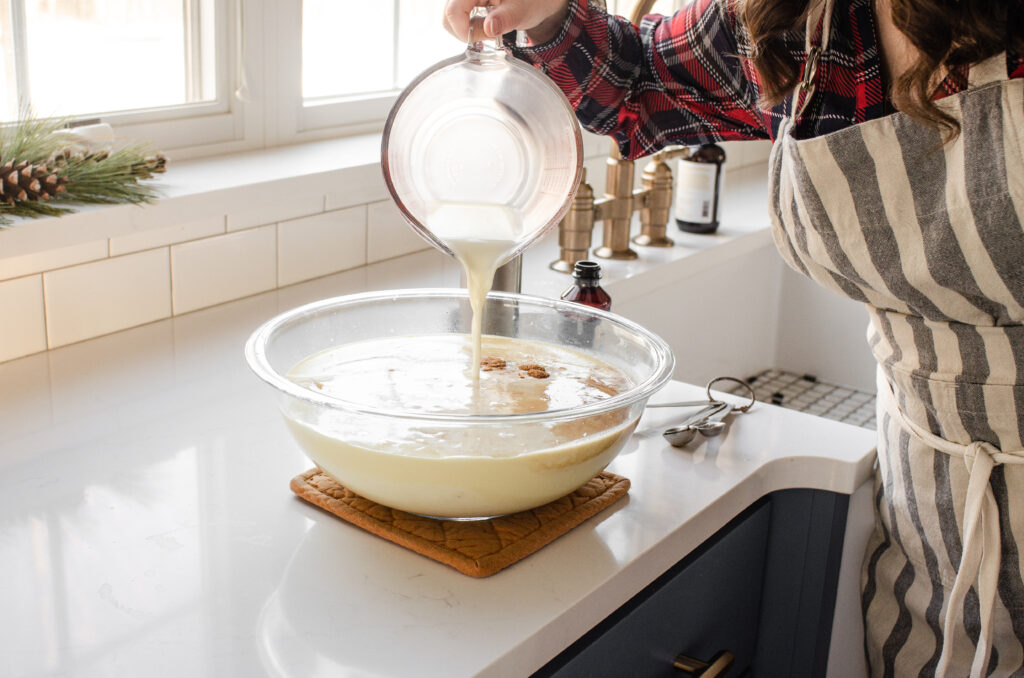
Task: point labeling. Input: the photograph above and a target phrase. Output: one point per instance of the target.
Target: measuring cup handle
(479, 46)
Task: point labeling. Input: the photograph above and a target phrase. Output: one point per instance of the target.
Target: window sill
(280, 182)
(340, 172)
(233, 226)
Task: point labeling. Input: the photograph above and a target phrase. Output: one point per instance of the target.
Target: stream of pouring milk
(481, 237)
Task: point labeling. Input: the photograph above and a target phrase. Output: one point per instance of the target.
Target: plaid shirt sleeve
(672, 80)
(681, 79)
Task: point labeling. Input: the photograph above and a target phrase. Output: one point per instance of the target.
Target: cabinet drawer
(708, 602)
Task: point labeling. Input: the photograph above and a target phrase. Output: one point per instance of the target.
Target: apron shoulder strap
(819, 10)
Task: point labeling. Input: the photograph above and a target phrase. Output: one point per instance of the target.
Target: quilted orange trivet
(478, 548)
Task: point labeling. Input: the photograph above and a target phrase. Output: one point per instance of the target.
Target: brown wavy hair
(947, 33)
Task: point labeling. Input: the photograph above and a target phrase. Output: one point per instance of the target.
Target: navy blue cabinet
(762, 589)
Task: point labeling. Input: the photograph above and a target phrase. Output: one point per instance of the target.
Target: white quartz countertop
(147, 527)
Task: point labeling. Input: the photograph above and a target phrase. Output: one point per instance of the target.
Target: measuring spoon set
(709, 421)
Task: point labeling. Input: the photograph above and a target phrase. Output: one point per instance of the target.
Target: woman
(897, 179)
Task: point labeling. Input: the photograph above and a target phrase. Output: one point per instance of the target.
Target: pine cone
(153, 164)
(24, 181)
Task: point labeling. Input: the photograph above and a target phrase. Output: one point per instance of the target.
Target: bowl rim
(256, 357)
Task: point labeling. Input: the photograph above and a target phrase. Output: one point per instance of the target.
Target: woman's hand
(540, 19)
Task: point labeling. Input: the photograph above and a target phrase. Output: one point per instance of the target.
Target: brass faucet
(616, 209)
(620, 200)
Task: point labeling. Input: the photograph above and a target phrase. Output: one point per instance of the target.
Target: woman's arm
(672, 80)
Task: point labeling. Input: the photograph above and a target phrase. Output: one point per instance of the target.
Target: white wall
(822, 333)
(720, 321)
(752, 312)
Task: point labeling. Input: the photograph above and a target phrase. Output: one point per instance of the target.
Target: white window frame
(219, 124)
(258, 62)
(297, 121)
(338, 116)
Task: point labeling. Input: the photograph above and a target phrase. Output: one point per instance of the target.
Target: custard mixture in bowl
(381, 391)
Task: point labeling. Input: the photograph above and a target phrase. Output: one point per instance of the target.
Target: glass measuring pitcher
(482, 146)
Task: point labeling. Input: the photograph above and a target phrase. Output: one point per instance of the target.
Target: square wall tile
(388, 235)
(321, 244)
(22, 321)
(161, 237)
(226, 267)
(106, 296)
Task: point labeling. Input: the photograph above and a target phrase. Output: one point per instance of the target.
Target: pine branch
(39, 176)
(31, 210)
(31, 139)
(108, 178)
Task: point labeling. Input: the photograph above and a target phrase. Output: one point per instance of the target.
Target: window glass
(77, 57)
(352, 47)
(152, 66)
(8, 77)
(347, 47)
(422, 40)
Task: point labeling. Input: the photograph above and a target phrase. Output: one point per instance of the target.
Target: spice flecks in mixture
(534, 370)
(490, 364)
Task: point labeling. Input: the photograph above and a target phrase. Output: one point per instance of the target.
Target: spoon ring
(742, 383)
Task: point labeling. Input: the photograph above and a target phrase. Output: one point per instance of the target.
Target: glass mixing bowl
(454, 465)
(482, 129)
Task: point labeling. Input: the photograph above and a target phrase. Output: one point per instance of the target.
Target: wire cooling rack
(807, 393)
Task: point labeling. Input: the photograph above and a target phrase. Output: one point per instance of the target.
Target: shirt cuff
(577, 15)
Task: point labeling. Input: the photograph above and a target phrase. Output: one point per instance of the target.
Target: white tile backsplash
(47, 260)
(215, 270)
(105, 296)
(388, 235)
(315, 246)
(22, 319)
(161, 237)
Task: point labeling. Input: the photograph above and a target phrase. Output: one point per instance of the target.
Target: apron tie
(982, 548)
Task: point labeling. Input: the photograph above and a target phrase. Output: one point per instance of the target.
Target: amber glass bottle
(586, 287)
(699, 189)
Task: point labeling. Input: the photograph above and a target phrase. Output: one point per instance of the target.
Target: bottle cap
(587, 270)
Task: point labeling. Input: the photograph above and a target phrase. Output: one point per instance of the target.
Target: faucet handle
(576, 228)
(670, 152)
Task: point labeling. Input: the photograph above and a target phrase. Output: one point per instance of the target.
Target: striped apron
(929, 236)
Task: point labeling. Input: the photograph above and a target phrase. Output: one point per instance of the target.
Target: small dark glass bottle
(699, 189)
(586, 287)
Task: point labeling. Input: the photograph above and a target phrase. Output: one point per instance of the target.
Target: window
(210, 76)
(356, 56)
(390, 41)
(108, 55)
(137, 64)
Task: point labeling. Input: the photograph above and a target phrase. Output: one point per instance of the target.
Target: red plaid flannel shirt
(682, 79)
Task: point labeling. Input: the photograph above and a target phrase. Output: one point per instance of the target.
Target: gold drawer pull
(718, 665)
